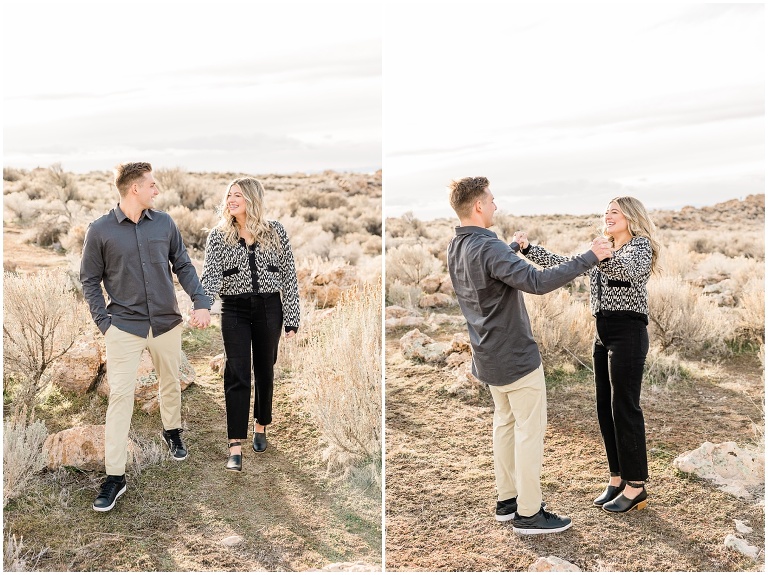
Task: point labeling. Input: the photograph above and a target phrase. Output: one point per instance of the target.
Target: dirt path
(174, 515)
(441, 496)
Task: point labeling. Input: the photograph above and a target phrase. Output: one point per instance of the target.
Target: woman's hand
(290, 334)
(521, 238)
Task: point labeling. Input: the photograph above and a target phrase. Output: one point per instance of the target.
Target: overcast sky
(564, 106)
(252, 87)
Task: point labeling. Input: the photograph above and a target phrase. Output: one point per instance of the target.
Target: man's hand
(521, 238)
(200, 318)
(602, 248)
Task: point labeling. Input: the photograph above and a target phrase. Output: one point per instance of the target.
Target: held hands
(602, 248)
(290, 334)
(521, 238)
(200, 318)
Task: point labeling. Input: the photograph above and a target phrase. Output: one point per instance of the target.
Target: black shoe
(505, 510)
(260, 441)
(235, 462)
(175, 444)
(609, 493)
(111, 489)
(541, 523)
(622, 504)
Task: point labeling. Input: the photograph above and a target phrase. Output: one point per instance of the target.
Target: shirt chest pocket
(158, 251)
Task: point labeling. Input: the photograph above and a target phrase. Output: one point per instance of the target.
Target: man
(489, 277)
(130, 250)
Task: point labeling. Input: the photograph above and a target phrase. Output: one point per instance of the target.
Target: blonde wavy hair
(255, 222)
(639, 223)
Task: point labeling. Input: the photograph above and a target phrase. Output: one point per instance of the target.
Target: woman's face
(615, 222)
(236, 202)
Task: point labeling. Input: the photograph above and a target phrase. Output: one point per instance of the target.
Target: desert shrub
(42, 319)
(682, 318)
(406, 226)
(350, 253)
(63, 184)
(341, 368)
(676, 260)
(403, 295)
(411, 263)
(193, 225)
(307, 238)
(336, 223)
(191, 194)
(23, 454)
(16, 559)
(505, 225)
(663, 369)
(319, 199)
(48, 229)
(563, 328)
(146, 453)
(751, 323)
(12, 174)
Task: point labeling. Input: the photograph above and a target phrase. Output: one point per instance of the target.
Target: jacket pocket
(230, 272)
(618, 283)
(272, 268)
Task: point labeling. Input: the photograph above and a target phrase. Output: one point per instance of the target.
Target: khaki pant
(519, 424)
(123, 357)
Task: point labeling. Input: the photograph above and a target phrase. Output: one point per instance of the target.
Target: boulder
(738, 544)
(231, 541)
(327, 286)
(436, 300)
(458, 358)
(396, 311)
(78, 369)
(742, 527)
(460, 343)
(431, 283)
(146, 394)
(81, 447)
(446, 286)
(734, 469)
(552, 563)
(419, 346)
(409, 321)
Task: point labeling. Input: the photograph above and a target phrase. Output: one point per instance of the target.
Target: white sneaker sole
(505, 517)
(173, 455)
(119, 493)
(540, 531)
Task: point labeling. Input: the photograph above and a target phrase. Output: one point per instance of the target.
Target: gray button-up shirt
(132, 259)
(489, 278)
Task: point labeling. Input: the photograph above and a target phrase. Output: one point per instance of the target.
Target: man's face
(147, 190)
(487, 208)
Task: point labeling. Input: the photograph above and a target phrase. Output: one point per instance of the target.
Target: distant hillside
(732, 211)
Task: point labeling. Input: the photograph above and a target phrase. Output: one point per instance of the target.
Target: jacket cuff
(291, 328)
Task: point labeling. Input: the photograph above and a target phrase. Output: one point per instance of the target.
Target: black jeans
(251, 329)
(621, 346)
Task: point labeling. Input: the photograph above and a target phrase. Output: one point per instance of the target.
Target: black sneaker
(111, 489)
(542, 522)
(505, 510)
(175, 444)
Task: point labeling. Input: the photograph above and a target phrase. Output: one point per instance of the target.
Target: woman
(249, 264)
(619, 302)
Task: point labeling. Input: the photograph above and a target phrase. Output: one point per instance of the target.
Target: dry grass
(340, 371)
(23, 454)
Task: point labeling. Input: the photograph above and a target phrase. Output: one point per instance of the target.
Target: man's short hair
(465, 192)
(126, 174)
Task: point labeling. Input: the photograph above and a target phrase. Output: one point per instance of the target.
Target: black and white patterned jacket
(227, 272)
(617, 284)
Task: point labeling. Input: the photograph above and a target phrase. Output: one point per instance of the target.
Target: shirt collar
(121, 217)
(464, 230)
